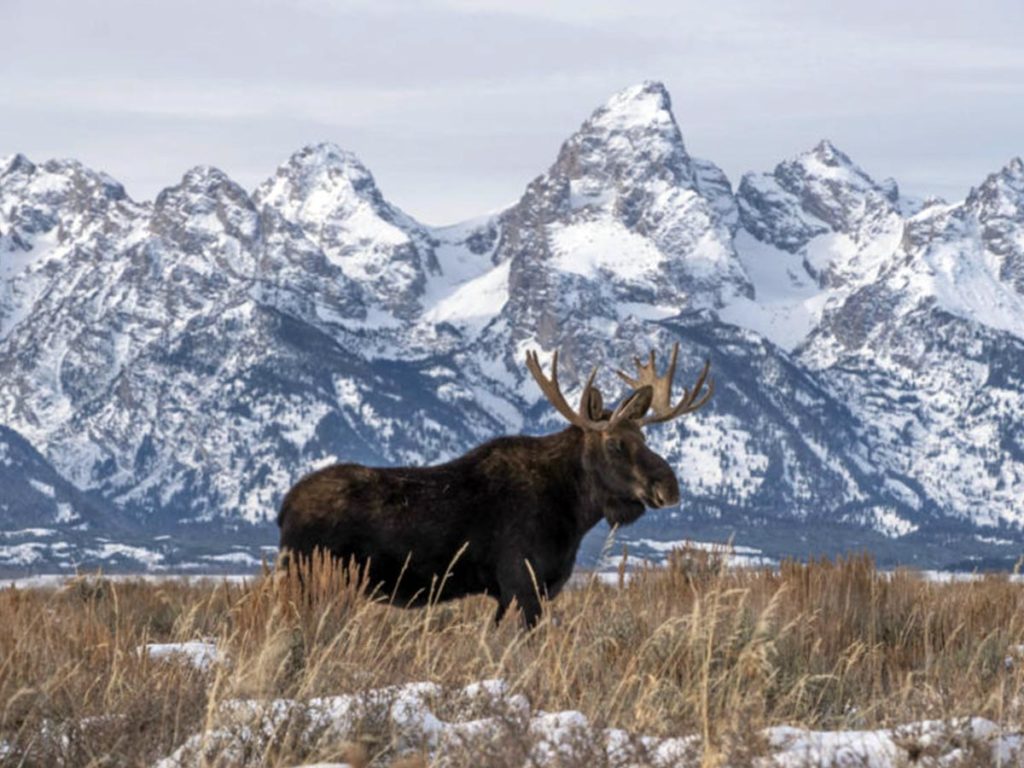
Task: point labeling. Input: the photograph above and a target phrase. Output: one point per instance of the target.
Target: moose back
(505, 519)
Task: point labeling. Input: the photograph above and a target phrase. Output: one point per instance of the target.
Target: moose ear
(635, 406)
(593, 404)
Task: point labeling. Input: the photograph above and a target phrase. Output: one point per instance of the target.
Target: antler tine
(670, 374)
(661, 402)
(634, 383)
(584, 394)
(688, 403)
(554, 394)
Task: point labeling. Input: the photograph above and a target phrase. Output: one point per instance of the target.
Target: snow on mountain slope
(189, 358)
(930, 354)
(813, 230)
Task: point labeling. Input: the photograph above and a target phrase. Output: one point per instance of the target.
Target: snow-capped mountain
(183, 361)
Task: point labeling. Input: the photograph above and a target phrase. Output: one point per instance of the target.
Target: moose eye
(616, 446)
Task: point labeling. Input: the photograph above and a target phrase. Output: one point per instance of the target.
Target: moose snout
(664, 493)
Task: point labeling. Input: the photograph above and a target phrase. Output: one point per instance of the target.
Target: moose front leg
(529, 606)
(517, 583)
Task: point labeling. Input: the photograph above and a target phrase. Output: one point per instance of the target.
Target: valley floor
(695, 663)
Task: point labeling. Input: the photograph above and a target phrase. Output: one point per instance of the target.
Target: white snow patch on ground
(245, 727)
(646, 311)
(735, 555)
(199, 654)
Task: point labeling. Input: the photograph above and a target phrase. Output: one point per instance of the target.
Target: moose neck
(563, 459)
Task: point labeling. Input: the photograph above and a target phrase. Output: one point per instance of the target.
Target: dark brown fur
(516, 508)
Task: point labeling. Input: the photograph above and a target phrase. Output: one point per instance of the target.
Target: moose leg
(529, 608)
(502, 609)
(526, 598)
(517, 581)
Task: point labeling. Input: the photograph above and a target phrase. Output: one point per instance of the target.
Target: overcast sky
(455, 105)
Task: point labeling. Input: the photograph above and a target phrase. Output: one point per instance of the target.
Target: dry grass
(693, 648)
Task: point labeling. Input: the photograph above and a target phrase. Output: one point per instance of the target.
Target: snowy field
(554, 737)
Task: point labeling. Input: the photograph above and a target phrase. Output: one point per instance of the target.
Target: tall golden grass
(691, 648)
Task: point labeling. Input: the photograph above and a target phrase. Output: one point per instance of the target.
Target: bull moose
(507, 518)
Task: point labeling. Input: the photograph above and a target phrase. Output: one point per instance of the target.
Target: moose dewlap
(507, 518)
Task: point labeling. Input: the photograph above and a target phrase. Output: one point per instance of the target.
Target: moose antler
(553, 392)
(661, 403)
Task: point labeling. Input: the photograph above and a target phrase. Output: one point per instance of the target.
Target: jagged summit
(1015, 167)
(827, 164)
(204, 175)
(1001, 194)
(204, 208)
(15, 163)
(820, 190)
(629, 140)
(829, 154)
(645, 104)
(200, 187)
(321, 169)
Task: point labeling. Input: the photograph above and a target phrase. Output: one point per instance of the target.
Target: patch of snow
(141, 554)
(65, 513)
(887, 521)
(43, 488)
(22, 554)
(995, 540)
(28, 532)
(592, 248)
(249, 726)
(199, 654)
(237, 558)
(474, 303)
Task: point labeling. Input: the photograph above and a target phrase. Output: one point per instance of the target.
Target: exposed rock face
(189, 358)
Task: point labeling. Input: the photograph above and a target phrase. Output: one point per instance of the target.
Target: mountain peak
(626, 143)
(199, 187)
(1001, 195)
(820, 189)
(323, 169)
(16, 162)
(202, 175)
(645, 104)
(183, 210)
(829, 154)
(826, 160)
(326, 154)
(826, 164)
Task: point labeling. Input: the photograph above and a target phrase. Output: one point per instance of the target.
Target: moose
(507, 518)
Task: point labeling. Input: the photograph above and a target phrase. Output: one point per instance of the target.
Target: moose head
(623, 475)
